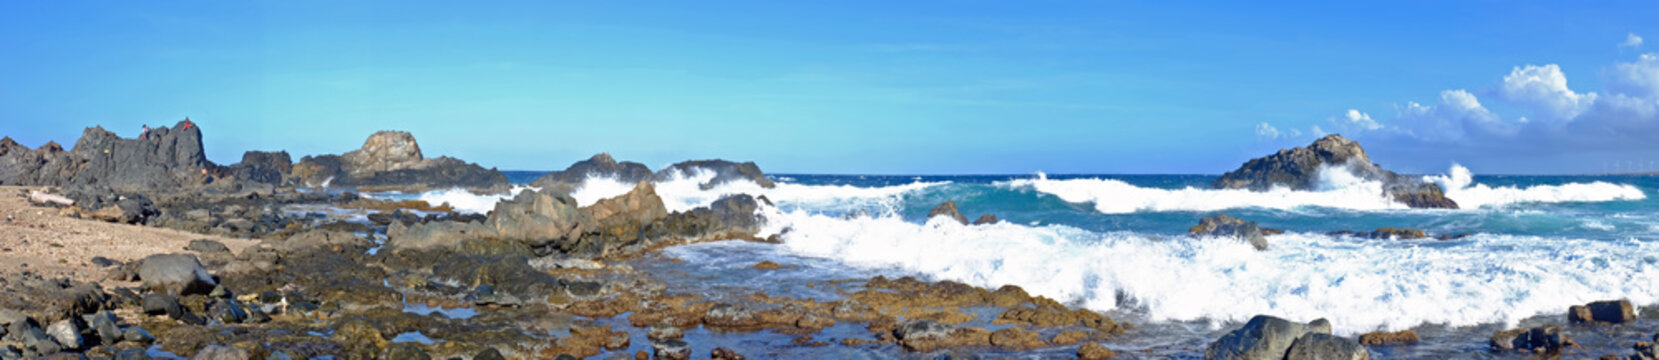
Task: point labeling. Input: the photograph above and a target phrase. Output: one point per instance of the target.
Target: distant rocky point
(391, 160)
(1298, 169)
(602, 165)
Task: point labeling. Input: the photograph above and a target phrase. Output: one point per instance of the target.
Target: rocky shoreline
(541, 276)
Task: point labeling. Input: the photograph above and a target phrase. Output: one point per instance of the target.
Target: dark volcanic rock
(392, 160)
(986, 219)
(948, 209)
(1263, 338)
(175, 274)
(1547, 339)
(1298, 169)
(600, 165)
(724, 172)
(1602, 312)
(1385, 233)
(269, 167)
(1316, 346)
(161, 158)
(1226, 226)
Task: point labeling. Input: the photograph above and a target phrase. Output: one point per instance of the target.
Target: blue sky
(909, 87)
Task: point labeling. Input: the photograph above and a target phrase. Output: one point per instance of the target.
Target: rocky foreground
(539, 277)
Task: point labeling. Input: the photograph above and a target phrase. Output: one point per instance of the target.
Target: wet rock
(1093, 351)
(161, 304)
(1068, 337)
(207, 246)
(1017, 339)
(671, 349)
(103, 325)
(948, 209)
(1388, 338)
(1547, 339)
(1299, 169)
(406, 352)
(360, 337)
(216, 352)
(228, 311)
(1385, 234)
(767, 265)
(986, 219)
(927, 335)
(137, 335)
(721, 353)
(1263, 337)
(67, 332)
(175, 274)
(731, 317)
(664, 332)
(1317, 346)
(724, 172)
(1602, 312)
(489, 354)
(1222, 225)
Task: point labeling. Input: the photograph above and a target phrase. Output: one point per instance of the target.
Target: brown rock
(948, 209)
(1388, 338)
(986, 219)
(1602, 312)
(768, 265)
(1069, 337)
(721, 353)
(1017, 339)
(1093, 351)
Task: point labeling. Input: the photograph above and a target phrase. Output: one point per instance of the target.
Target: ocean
(1118, 244)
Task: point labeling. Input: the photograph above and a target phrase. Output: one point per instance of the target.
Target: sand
(38, 239)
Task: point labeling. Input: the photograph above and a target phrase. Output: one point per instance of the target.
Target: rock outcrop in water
(1270, 338)
(1298, 169)
(392, 160)
(1602, 312)
(1542, 340)
(603, 165)
(1222, 225)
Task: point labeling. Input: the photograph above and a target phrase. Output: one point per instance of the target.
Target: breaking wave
(1338, 189)
(1460, 186)
(466, 201)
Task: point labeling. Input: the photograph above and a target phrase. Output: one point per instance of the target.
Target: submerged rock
(1298, 169)
(1263, 338)
(1222, 225)
(948, 209)
(1602, 312)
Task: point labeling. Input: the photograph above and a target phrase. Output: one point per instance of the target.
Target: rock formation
(1222, 225)
(1270, 338)
(391, 160)
(600, 164)
(1298, 169)
(162, 158)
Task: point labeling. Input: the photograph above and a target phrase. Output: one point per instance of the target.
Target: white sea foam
(467, 202)
(1460, 186)
(1338, 189)
(1360, 285)
(683, 191)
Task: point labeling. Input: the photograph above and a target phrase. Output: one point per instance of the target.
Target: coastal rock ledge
(1299, 168)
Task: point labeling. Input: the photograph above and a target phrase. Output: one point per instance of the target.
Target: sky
(855, 87)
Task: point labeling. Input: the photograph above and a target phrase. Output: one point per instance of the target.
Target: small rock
(216, 352)
(103, 323)
(986, 219)
(1547, 339)
(1602, 312)
(159, 304)
(1017, 339)
(137, 335)
(671, 349)
(489, 354)
(767, 265)
(403, 351)
(663, 332)
(206, 246)
(227, 311)
(721, 353)
(104, 262)
(1388, 338)
(1093, 351)
(68, 333)
(1263, 337)
(1226, 226)
(220, 292)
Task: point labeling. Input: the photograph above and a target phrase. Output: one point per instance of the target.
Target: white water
(467, 202)
(1460, 187)
(1338, 189)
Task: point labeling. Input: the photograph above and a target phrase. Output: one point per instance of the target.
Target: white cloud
(1354, 120)
(1639, 78)
(1631, 41)
(1544, 90)
(1267, 131)
(1458, 115)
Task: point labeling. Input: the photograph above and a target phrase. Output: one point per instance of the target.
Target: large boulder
(1299, 169)
(175, 274)
(269, 167)
(1316, 346)
(1546, 340)
(392, 160)
(1222, 225)
(1263, 338)
(600, 165)
(724, 172)
(619, 221)
(538, 218)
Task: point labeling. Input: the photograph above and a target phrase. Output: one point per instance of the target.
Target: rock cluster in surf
(1299, 169)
